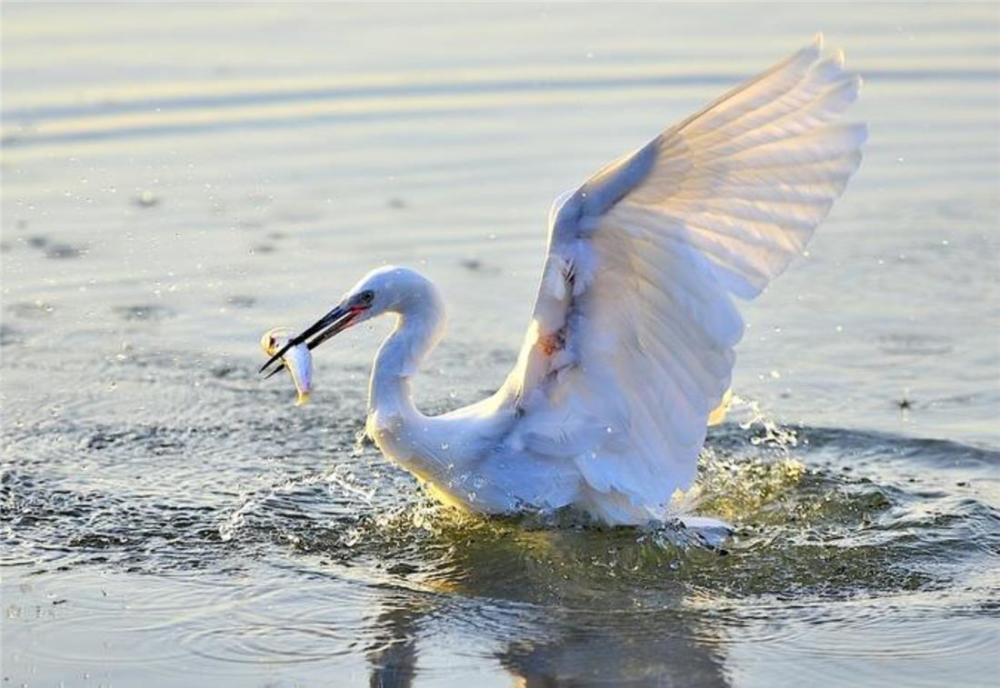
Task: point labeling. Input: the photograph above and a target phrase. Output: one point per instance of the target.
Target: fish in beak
(296, 359)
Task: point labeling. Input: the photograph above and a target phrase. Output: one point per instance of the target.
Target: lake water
(179, 178)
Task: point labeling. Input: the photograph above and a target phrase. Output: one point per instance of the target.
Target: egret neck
(394, 422)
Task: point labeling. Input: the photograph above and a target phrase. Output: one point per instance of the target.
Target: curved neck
(419, 326)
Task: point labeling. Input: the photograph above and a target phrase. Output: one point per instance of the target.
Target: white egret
(629, 354)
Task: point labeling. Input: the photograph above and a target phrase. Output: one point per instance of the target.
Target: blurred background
(179, 177)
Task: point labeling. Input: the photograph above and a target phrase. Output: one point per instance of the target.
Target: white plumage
(630, 349)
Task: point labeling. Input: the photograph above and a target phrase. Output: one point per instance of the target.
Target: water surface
(177, 179)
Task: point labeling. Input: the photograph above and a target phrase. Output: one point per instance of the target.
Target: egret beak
(334, 322)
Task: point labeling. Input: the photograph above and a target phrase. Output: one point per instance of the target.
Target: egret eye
(367, 297)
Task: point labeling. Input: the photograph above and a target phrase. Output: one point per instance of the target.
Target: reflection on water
(171, 190)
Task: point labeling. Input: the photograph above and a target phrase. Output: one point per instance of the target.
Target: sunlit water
(177, 180)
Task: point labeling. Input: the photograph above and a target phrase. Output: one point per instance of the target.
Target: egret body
(629, 353)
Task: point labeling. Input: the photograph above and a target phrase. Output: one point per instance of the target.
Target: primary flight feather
(629, 353)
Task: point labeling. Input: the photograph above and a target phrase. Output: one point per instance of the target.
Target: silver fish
(297, 360)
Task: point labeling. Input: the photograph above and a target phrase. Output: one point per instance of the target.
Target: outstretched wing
(631, 345)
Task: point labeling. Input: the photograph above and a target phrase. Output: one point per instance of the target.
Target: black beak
(334, 322)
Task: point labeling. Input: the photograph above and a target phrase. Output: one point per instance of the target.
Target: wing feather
(630, 351)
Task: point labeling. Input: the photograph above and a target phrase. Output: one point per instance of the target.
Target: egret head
(388, 289)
